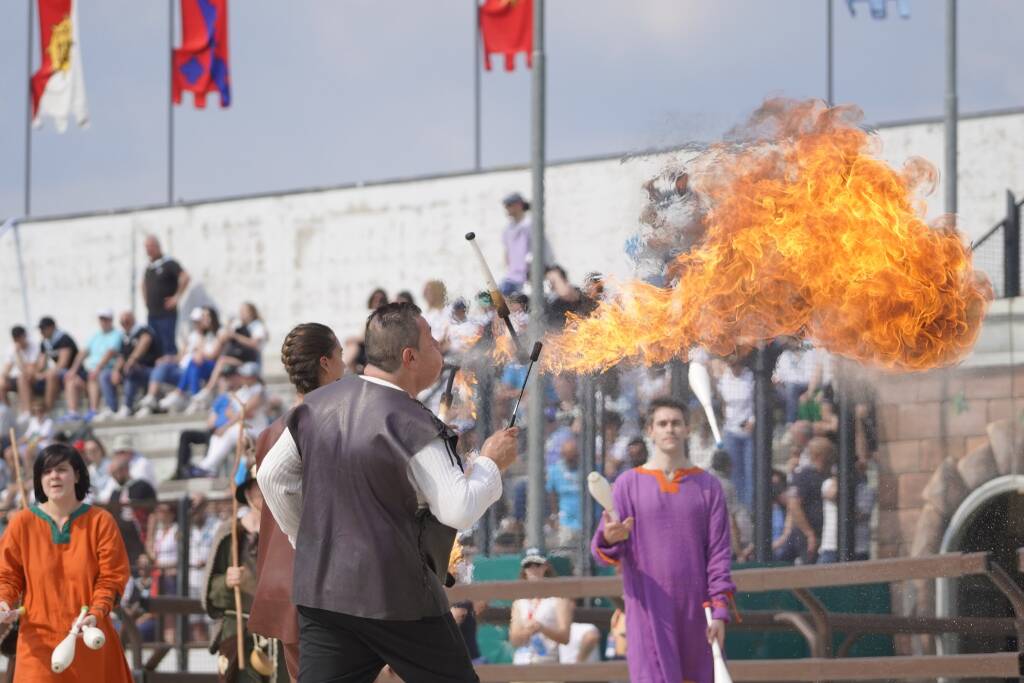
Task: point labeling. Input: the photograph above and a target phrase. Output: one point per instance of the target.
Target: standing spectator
(57, 352)
(805, 511)
(18, 373)
(139, 355)
(162, 546)
(139, 466)
(516, 238)
(736, 386)
(405, 297)
(828, 553)
(163, 284)
(200, 543)
(563, 483)
(99, 355)
(864, 507)
(739, 517)
(241, 341)
(794, 374)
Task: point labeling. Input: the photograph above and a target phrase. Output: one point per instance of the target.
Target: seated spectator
(57, 352)
(251, 396)
(538, 625)
(168, 369)
(99, 355)
(96, 460)
(864, 506)
(127, 466)
(39, 432)
(241, 341)
(19, 370)
(563, 486)
(140, 353)
(463, 333)
(582, 645)
(197, 366)
(217, 423)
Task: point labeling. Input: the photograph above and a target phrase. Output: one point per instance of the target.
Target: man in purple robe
(673, 548)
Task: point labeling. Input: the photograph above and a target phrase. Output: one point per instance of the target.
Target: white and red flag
(58, 87)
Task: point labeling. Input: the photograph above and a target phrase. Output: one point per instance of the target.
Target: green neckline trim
(60, 536)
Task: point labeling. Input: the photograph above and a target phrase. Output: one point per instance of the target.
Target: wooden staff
(239, 640)
(17, 469)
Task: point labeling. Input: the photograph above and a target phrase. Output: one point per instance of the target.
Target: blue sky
(336, 91)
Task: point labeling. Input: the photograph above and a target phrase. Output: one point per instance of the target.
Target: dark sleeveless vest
(363, 547)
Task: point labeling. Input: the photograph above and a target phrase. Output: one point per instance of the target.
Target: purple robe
(676, 559)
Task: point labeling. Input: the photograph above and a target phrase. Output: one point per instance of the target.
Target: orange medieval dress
(53, 573)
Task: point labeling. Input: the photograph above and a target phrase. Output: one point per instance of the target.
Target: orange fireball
(807, 234)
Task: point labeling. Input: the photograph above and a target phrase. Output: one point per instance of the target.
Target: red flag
(200, 65)
(58, 87)
(507, 28)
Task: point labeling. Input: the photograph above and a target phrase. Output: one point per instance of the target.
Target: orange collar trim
(670, 485)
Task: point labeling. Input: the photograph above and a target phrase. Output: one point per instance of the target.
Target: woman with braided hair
(311, 356)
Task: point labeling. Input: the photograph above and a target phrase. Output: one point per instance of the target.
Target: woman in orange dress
(55, 557)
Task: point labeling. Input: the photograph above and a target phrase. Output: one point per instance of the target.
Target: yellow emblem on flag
(59, 48)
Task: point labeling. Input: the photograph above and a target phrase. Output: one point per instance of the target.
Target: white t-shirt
(738, 396)
(28, 356)
(540, 648)
(830, 517)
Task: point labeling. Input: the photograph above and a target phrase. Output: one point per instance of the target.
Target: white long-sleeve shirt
(456, 498)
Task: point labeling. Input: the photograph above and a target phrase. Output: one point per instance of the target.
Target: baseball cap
(123, 442)
(196, 314)
(105, 313)
(249, 369)
(533, 556)
(516, 197)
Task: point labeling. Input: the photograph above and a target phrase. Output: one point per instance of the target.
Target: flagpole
(170, 102)
(951, 109)
(28, 116)
(535, 413)
(831, 52)
(476, 85)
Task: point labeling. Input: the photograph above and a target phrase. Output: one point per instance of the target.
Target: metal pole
(535, 414)
(951, 109)
(21, 274)
(678, 380)
(1011, 248)
(764, 364)
(831, 51)
(184, 565)
(28, 116)
(170, 102)
(588, 442)
(476, 85)
(847, 479)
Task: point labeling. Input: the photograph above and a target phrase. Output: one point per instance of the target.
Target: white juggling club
(721, 672)
(64, 653)
(700, 384)
(601, 490)
(93, 637)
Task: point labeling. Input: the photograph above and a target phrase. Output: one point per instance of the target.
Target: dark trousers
(186, 440)
(340, 648)
(165, 324)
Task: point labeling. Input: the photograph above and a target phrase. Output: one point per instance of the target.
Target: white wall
(317, 255)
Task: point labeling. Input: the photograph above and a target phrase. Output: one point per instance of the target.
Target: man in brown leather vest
(367, 484)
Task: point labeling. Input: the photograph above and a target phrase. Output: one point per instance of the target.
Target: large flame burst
(807, 234)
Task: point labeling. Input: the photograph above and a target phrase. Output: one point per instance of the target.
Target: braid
(301, 352)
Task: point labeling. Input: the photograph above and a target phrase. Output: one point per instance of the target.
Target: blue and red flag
(200, 65)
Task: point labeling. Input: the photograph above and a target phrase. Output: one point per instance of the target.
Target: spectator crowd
(57, 389)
